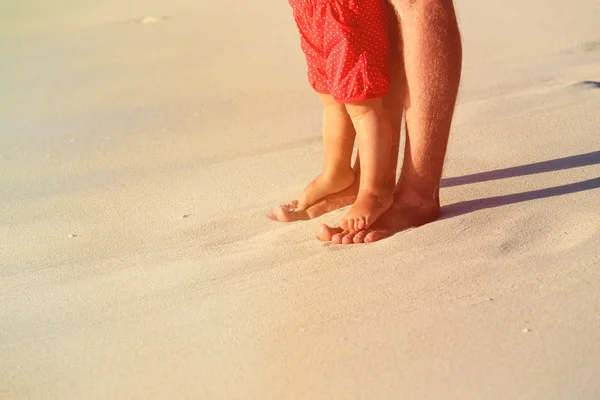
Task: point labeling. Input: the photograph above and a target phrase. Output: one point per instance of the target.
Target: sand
(143, 143)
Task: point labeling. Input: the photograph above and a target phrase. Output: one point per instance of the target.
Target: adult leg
(432, 63)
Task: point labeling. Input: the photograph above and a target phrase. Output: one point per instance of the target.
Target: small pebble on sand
(72, 235)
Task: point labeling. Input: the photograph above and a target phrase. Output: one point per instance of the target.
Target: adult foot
(406, 211)
(366, 209)
(322, 195)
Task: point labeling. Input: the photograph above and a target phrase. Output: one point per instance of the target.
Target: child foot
(334, 201)
(366, 209)
(322, 186)
(289, 212)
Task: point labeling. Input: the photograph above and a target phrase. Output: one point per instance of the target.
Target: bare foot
(324, 185)
(289, 212)
(368, 207)
(404, 213)
(320, 196)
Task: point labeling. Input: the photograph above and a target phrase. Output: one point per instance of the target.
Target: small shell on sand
(72, 235)
(150, 20)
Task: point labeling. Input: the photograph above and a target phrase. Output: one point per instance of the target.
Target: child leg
(374, 136)
(338, 142)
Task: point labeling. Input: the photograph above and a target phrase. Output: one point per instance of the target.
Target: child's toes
(361, 224)
(344, 224)
(300, 206)
(349, 224)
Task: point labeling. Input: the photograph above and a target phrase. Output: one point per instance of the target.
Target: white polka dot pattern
(346, 46)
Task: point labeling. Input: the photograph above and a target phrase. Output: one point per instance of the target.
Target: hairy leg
(433, 60)
(393, 102)
(432, 64)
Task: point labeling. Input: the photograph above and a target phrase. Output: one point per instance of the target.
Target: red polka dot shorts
(346, 46)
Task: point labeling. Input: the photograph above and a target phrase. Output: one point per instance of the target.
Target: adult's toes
(374, 236)
(360, 237)
(338, 238)
(348, 238)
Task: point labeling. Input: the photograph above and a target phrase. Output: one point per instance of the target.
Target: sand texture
(142, 144)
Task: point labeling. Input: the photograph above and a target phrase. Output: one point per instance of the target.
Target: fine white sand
(142, 144)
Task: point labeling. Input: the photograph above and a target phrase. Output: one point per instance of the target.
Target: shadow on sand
(465, 207)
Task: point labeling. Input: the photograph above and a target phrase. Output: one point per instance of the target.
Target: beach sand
(142, 145)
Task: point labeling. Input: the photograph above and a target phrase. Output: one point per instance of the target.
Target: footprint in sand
(584, 47)
(589, 47)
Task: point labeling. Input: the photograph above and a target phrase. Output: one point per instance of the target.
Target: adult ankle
(419, 196)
